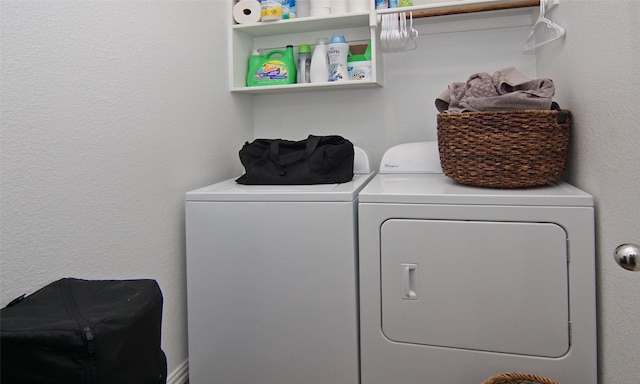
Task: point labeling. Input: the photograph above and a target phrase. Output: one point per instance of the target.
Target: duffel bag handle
(311, 145)
(274, 150)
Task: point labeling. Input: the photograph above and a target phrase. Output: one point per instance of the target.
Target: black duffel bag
(76, 331)
(315, 160)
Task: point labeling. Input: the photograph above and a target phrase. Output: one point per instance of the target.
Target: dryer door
(478, 285)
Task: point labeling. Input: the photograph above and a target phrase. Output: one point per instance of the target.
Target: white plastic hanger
(395, 34)
(557, 31)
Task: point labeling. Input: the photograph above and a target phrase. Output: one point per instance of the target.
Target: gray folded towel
(506, 89)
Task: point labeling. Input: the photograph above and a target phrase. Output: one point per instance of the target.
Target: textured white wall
(110, 112)
(597, 76)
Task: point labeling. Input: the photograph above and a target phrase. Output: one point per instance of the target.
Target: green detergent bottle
(273, 68)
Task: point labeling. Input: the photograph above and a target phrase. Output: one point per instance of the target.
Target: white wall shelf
(301, 25)
(357, 28)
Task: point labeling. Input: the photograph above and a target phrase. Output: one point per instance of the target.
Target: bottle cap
(304, 48)
(338, 39)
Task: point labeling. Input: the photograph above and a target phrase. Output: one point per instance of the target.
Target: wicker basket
(504, 149)
(518, 378)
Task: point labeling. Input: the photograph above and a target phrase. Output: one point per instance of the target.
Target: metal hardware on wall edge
(628, 256)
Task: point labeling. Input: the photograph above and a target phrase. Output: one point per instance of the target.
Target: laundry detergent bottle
(319, 69)
(274, 68)
(338, 51)
(255, 61)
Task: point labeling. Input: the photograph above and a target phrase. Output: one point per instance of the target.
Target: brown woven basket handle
(515, 377)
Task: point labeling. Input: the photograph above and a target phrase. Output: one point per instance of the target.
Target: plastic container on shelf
(304, 63)
(359, 67)
(359, 64)
(338, 51)
(319, 70)
(271, 10)
(255, 61)
(271, 69)
(289, 9)
(381, 4)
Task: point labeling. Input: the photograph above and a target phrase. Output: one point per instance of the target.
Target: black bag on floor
(84, 331)
(315, 160)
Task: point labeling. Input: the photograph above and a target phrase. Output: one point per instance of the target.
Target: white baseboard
(180, 375)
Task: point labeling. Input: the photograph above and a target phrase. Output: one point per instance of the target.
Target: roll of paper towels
(246, 11)
(303, 8)
(359, 5)
(320, 8)
(338, 7)
(319, 12)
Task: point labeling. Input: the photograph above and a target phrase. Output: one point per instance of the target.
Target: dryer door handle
(409, 279)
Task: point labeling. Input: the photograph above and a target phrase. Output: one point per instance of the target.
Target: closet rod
(476, 8)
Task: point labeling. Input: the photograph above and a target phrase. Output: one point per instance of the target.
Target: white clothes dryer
(460, 283)
(272, 282)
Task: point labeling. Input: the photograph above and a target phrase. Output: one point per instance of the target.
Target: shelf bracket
(373, 19)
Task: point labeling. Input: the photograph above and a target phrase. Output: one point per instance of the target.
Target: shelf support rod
(433, 10)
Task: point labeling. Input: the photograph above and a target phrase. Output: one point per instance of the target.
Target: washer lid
(229, 190)
(439, 189)
(419, 157)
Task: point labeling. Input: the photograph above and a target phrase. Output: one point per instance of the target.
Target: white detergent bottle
(319, 70)
(338, 52)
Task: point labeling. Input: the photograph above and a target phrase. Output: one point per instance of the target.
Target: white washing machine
(459, 283)
(272, 282)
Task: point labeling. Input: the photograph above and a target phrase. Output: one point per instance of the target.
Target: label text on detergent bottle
(272, 70)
